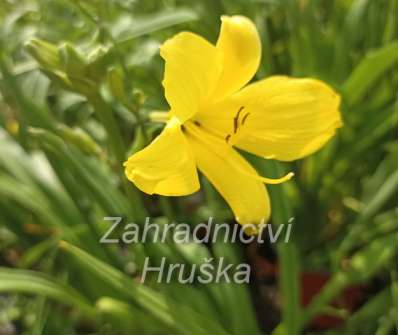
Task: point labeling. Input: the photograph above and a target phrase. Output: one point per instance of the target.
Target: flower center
(215, 144)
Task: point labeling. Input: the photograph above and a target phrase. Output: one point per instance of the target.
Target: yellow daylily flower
(211, 112)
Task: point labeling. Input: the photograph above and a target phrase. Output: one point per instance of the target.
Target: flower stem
(118, 148)
(288, 257)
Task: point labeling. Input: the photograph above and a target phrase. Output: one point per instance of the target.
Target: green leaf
(35, 253)
(380, 188)
(236, 305)
(177, 316)
(87, 171)
(369, 70)
(371, 310)
(127, 317)
(129, 28)
(363, 265)
(30, 282)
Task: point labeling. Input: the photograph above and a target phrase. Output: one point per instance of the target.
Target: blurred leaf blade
(368, 71)
(128, 29)
(24, 281)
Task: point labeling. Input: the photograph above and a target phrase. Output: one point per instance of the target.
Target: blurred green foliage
(78, 79)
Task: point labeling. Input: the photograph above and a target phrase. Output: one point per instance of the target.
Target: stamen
(227, 138)
(235, 125)
(272, 181)
(236, 119)
(197, 123)
(265, 180)
(244, 119)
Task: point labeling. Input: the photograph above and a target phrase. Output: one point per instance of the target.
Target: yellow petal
(166, 166)
(231, 175)
(192, 68)
(240, 46)
(280, 117)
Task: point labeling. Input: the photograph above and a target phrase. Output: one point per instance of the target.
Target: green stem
(167, 208)
(289, 267)
(106, 117)
(288, 256)
(105, 114)
(118, 148)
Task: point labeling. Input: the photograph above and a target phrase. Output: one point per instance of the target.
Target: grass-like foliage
(78, 80)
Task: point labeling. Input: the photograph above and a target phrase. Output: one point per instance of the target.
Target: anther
(236, 119)
(197, 123)
(235, 125)
(244, 119)
(227, 138)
